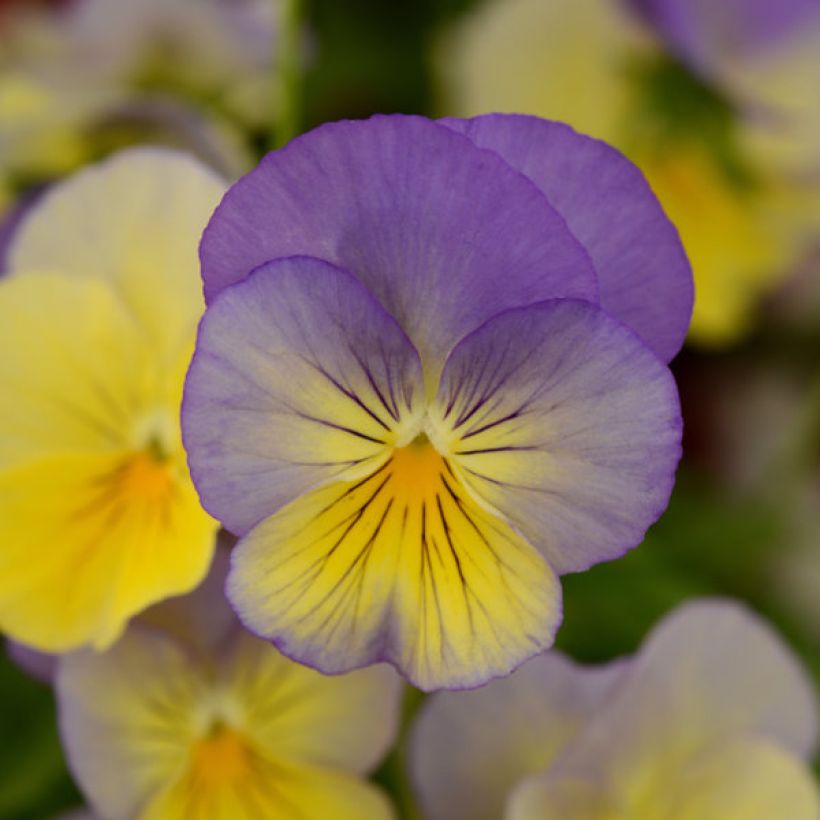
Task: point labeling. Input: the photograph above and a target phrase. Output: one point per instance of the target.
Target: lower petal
(417, 575)
(276, 791)
(82, 554)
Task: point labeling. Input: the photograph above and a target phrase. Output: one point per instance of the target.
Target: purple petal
(644, 275)
(299, 378)
(706, 31)
(443, 233)
(563, 420)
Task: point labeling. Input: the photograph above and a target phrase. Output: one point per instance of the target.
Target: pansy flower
(431, 379)
(192, 717)
(715, 101)
(98, 516)
(712, 718)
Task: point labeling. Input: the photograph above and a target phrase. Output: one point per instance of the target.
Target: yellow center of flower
(221, 757)
(143, 477)
(416, 470)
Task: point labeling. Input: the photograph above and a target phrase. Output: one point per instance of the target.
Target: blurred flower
(98, 517)
(181, 720)
(80, 80)
(734, 161)
(417, 431)
(713, 717)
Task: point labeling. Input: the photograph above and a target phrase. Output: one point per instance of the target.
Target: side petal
(133, 221)
(443, 233)
(299, 378)
(360, 572)
(560, 418)
(347, 722)
(469, 749)
(645, 279)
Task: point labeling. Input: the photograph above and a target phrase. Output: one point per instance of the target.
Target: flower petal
(443, 233)
(344, 721)
(720, 669)
(299, 378)
(645, 278)
(560, 418)
(397, 568)
(102, 553)
(132, 221)
(470, 748)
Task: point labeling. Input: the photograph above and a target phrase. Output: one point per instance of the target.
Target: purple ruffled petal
(564, 421)
(299, 378)
(644, 275)
(443, 233)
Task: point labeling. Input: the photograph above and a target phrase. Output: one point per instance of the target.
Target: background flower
(179, 720)
(712, 718)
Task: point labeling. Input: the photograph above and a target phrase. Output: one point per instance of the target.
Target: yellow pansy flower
(98, 517)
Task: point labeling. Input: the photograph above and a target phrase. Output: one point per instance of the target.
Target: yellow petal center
(416, 470)
(220, 758)
(142, 477)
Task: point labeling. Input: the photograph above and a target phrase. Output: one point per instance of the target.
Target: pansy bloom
(192, 717)
(431, 379)
(98, 516)
(712, 718)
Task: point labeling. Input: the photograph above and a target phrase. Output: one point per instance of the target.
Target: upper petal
(133, 221)
(469, 749)
(299, 378)
(443, 233)
(708, 674)
(644, 276)
(560, 418)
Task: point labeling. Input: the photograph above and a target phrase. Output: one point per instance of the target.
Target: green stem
(288, 68)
